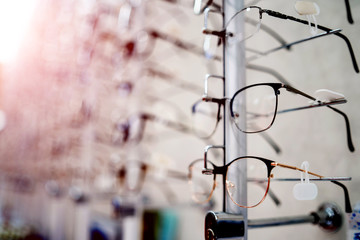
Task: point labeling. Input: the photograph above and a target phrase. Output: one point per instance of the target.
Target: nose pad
(236, 114)
(230, 187)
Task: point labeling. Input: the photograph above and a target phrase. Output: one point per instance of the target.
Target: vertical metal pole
(234, 72)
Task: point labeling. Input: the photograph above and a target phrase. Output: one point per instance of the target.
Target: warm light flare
(15, 16)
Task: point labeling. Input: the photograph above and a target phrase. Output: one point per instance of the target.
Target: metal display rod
(221, 225)
(234, 141)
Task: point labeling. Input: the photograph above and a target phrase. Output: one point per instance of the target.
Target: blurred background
(97, 129)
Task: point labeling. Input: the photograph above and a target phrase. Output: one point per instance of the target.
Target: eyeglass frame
(272, 33)
(143, 117)
(270, 165)
(266, 137)
(210, 3)
(224, 34)
(276, 87)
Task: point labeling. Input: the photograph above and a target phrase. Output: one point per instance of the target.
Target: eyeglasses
(132, 176)
(258, 105)
(232, 33)
(201, 5)
(259, 174)
(132, 129)
(139, 47)
(211, 42)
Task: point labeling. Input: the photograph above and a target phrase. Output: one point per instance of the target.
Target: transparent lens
(237, 32)
(258, 104)
(257, 181)
(213, 22)
(134, 176)
(136, 128)
(211, 46)
(201, 185)
(204, 118)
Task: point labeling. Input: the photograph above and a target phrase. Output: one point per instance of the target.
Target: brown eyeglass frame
(270, 166)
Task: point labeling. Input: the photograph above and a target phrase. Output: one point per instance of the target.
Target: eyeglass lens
(205, 118)
(236, 33)
(260, 102)
(201, 185)
(213, 21)
(257, 184)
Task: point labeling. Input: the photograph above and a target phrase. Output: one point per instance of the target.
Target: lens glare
(211, 46)
(204, 118)
(257, 181)
(201, 185)
(258, 103)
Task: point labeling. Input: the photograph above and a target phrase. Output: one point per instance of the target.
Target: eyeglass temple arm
(269, 71)
(287, 46)
(347, 122)
(346, 193)
(348, 12)
(296, 91)
(348, 131)
(187, 46)
(348, 208)
(271, 141)
(284, 16)
(275, 164)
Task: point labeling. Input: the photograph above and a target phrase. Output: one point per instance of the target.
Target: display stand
(234, 141)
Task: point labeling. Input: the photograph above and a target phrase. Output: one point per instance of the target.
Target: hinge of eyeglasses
(205, 98)
(207, 171)
(220, 34)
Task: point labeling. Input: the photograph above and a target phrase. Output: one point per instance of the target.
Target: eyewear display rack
(233, 222)
(234, 73)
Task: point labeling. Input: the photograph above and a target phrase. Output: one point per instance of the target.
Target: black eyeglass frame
(276, 87)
